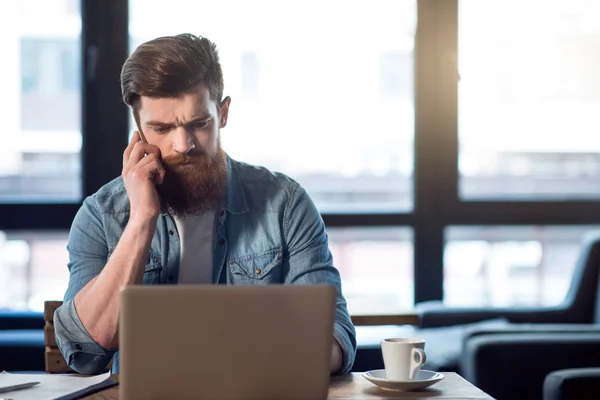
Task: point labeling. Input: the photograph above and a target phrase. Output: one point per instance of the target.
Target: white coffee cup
(402, 358)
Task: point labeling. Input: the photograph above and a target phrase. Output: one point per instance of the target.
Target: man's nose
(183, 142)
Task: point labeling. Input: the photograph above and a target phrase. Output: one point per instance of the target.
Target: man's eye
(160, 129)
(200, 125)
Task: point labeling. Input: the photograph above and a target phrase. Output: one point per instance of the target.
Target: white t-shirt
(196, 238)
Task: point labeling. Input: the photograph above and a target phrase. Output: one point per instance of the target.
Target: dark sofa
(21, 341)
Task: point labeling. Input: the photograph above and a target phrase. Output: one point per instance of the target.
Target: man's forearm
(97, 304)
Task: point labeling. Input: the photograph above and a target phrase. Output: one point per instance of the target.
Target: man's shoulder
(111, 197)
(262, 188)
(260, 177)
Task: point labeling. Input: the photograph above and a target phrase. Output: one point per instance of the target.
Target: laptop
(225, 342)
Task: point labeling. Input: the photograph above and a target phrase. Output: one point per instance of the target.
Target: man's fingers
(127, 153)
(137, 154)
(151, 167)
(159, 177)
(135, 143)
(139, 151)
(135, 137)
(150, 149)
(149, 160)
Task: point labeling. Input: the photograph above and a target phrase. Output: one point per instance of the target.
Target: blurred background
(464, 171)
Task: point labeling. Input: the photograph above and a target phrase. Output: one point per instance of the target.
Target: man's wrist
(143, 221)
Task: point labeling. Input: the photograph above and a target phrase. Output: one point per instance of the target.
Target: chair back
(55, 362)
(582, 301)
(597, 303)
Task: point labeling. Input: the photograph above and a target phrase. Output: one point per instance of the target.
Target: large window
(33, 268)
(376, 266)
(321, 90)
(41, 144)
(331, 106)
(505, 266)
(455, 159)
(41, 125)
(58, 139)
(529, 97)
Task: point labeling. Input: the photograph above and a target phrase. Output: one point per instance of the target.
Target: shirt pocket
(152, 270)
(259, 268)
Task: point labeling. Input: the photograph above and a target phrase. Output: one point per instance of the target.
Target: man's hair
(170, 66)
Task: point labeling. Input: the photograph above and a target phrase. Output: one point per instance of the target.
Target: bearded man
(184, 212)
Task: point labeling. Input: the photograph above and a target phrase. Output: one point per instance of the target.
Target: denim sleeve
(87, 256)
(310, 262)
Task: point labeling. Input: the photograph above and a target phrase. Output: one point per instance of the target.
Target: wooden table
(406, 318)
(354, 387)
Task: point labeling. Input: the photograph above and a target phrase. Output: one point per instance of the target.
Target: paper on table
(50, 387)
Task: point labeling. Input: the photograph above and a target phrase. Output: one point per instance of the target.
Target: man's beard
(194, 184)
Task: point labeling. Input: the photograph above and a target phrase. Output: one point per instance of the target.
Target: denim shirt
(268, 231)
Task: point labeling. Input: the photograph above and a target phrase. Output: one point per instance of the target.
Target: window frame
(105, 126)
(104, 25)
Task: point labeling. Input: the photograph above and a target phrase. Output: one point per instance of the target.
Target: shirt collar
(235, 199)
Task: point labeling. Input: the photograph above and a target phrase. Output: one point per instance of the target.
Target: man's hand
(140, 174)
(336, 357)
(97, 303)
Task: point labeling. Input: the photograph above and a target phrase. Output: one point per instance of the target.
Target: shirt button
(257, 271)
(171, 232)
(222, 242)
(171, 278)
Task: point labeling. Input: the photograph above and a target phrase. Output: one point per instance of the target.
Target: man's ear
(224, 111)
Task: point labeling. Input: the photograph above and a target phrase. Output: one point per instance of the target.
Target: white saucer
(424, 380)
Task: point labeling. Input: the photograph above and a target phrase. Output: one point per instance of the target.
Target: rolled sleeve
(347, 340)
(309, 261)
(88, 254)
(81, 352)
